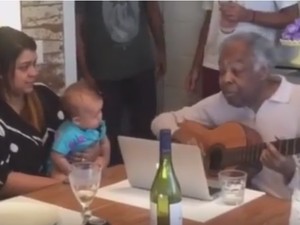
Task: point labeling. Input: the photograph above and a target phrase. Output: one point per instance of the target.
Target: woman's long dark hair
(12, 44)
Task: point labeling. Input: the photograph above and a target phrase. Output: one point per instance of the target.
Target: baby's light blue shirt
(71, 138)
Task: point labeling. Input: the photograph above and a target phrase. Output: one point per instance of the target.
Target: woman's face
(25, 72)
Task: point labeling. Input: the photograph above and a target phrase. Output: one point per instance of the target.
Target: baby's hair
(74, 93)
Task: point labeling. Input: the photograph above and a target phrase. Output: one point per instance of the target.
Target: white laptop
(141, 158)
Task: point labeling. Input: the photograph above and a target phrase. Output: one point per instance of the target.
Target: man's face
(238, 80)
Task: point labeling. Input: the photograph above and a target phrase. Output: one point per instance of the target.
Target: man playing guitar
(252, 96)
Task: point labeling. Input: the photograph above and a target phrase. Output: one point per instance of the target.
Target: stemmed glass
(85, 180)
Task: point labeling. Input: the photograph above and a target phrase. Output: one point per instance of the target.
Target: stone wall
(43, 20)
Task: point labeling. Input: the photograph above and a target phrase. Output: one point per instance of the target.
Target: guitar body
(229, 135)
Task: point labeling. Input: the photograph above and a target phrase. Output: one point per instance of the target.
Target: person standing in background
(115, 52)
(224, 18)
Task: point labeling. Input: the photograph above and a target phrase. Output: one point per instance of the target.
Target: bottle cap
(165, 139)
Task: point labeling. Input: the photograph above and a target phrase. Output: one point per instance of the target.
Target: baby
(83, 130)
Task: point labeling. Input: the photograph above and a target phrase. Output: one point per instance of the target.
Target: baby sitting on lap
(83, 130)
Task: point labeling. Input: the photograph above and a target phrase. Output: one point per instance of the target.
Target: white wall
(69, 42)
(182, 26)
(10, 14)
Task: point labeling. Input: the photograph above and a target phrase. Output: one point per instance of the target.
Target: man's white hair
(265, 53)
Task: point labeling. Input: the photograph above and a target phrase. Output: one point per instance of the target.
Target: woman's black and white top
(23, 148)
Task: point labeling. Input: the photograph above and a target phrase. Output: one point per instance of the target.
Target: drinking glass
(85, 180)
(233, 184)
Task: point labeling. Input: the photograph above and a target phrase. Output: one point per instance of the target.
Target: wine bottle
(165, 193)
(294, 218)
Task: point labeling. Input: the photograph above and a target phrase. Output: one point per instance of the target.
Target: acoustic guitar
(230, 144)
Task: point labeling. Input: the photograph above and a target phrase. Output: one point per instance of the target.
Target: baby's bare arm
(105, 152)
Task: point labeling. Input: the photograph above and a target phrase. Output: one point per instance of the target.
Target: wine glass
(85, 180)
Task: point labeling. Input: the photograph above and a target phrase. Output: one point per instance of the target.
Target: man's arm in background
(80, 43)
(156, 24)
(287, 13)
(196, 70)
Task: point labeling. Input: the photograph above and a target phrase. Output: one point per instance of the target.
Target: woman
(29, 115)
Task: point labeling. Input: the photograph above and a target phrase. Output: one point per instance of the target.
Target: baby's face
(90, 116)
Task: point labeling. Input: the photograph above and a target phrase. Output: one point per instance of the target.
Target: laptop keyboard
(213, 190)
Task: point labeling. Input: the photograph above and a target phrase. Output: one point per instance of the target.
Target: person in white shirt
(224, 18)
(251, 95)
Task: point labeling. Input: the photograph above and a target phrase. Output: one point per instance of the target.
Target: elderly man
(252, 95)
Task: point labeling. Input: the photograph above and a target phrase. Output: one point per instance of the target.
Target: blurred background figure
(224, 18)
(115, 52)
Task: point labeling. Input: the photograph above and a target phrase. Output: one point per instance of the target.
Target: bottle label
(172, 216)
(295, 213)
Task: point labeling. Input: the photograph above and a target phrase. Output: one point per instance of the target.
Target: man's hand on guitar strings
(274, 160)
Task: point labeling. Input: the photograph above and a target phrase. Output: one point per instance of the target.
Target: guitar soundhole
(216, 157)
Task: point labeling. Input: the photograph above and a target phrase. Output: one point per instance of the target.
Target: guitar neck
(250, 154)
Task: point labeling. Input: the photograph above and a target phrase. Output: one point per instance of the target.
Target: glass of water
(85, 180)
(233, 184)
